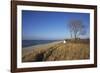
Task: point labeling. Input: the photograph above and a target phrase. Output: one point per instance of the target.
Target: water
(27, 43)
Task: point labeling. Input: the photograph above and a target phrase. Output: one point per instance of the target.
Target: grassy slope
(68, 51)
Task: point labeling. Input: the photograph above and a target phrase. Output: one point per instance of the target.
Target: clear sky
(43, 25)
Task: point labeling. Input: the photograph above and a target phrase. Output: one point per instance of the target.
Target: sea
(27, 43)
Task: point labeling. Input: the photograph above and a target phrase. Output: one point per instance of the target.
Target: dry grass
(68, 51)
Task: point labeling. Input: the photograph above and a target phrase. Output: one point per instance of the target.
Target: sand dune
(57, 51)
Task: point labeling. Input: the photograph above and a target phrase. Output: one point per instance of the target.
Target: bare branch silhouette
(76, 28)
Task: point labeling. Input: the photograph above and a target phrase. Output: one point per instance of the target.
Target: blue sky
(43, 25)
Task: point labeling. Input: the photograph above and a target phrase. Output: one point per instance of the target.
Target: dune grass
(62, 51)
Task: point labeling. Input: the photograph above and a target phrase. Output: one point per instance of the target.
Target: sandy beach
(42, 46)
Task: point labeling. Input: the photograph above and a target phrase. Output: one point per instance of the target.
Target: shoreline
(40, 46)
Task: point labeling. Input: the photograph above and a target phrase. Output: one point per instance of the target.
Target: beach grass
(71, 50)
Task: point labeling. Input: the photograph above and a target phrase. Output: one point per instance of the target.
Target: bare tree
(76, 28)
